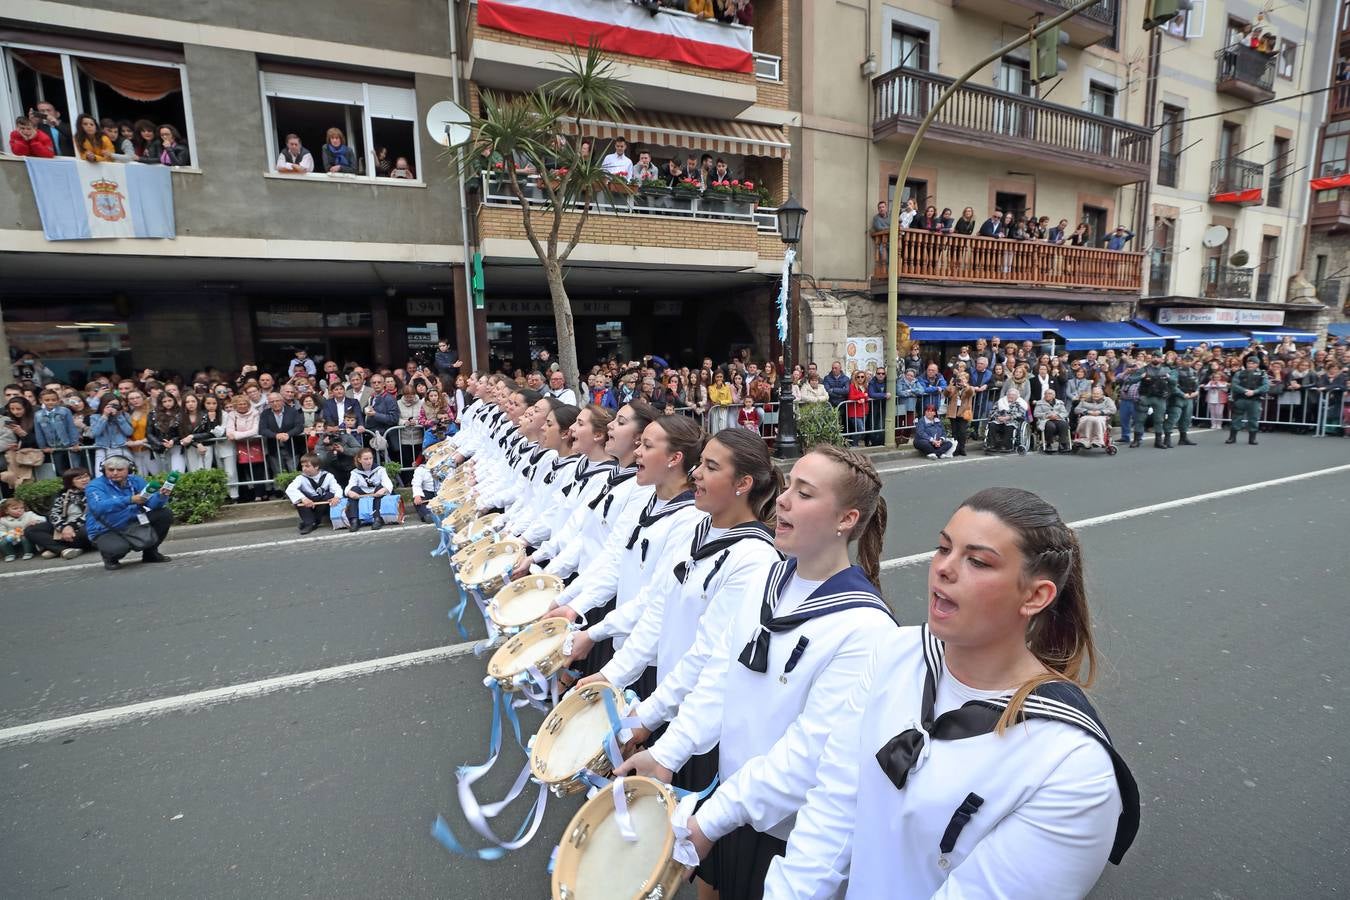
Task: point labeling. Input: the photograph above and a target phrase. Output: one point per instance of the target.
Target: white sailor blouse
(590, 481)
(900, 811)
(614, 511)
(771, 695)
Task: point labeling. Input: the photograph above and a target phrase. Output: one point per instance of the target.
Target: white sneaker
(932, 456)
(71, 552)
(48, 554)
(951, 451)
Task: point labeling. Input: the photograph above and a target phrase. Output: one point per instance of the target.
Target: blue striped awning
(1097, 335)
(969, 328)
(1279, 334)
(1339, 329)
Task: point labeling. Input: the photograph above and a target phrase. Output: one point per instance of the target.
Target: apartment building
(651, 275)
(1230, 190)
(1327, 261)
(349, 266)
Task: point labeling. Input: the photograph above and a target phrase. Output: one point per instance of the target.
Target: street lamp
(791, 216)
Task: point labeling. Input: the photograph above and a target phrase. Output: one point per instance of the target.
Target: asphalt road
(1225, 685)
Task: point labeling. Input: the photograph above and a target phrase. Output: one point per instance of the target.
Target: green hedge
(198, 496)
(284, 479)
(38, 495)
(818, 423)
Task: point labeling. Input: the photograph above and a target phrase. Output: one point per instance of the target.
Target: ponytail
(1059, 636)
(870, 541)
(860, 489)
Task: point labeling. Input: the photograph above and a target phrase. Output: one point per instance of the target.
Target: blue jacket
(111, 431)
(876, 388)
(932, 387)
(929, 431)
(978, 378)
(55, 428)
(386, 412)
(836, 386)
(110, 506)
(332, 416)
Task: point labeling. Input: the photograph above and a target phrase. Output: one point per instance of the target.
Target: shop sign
(1183, 315)
(863, 353)
(426, 306)
(545, 307)
(423, 336)
(668, 308)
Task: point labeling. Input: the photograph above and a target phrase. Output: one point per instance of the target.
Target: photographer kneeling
(124, 516)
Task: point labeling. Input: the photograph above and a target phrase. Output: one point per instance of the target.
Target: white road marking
(148, 709)
(34, 731)
(900, 562)
(365, 534)
(945, 463)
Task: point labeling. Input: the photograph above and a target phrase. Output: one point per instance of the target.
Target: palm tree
(520, 133)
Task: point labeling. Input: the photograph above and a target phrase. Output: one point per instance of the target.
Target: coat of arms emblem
(106, 201)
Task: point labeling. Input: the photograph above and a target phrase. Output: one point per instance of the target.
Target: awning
(1339, 329)
(964, 328)
(1279, 334)
(1097, 335)
(1165, 332)
(726, 136)
(1192, 336)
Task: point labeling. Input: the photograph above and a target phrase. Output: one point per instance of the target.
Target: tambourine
(572, 739)
(475, 530)
(543, 646)
(597, 862)
(461, 557)
(523, 602)
(486, 570)
(459, 519)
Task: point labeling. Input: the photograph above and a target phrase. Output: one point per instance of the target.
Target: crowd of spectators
(41, 133)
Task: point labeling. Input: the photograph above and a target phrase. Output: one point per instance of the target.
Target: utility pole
(893, 250)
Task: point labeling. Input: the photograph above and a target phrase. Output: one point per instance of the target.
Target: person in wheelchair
(1094, 419)
(1052, 419)
(1005, 421)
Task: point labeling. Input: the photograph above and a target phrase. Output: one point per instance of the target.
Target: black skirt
(602, 651)
(741, 863)
(646, 683)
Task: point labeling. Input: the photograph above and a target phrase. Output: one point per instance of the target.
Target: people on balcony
(1080, 236)
(705, 170)
(929, 221)
(721, 171)
(1118, 238)
(1060, 233)
(124, 147)
(92, 145)
(881, 221)
(294, 159)
(27, 140)
(993, 227)
(338, 157)
(908, 212)
(168, 149)
(646, 170)
(402, 169)
(966, 224)
(618, 162)
(382, 163)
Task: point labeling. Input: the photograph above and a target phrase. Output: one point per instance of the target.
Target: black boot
(1232, 436)
(1185, 441)
(1134, 441)
(1167, 441)
(1158, 442)
(1251, 438)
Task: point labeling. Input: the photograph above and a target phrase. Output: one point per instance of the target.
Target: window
(914, 187)
(1189, 24)
(1095, 217)
(1285, 67)
(1160, 257)
(909, 47)
(371, 116)
(1279, 164)
(143, 84)
(1265, 273)
(1332, 158)
(1169, 145)
(1011, 203)
(1102, 99)
(1014, 77)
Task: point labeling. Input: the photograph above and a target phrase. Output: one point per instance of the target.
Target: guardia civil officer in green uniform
(1156, 384)
(1184, 391)
(1245, 392)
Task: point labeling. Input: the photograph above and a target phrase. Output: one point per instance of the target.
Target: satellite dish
(448, 124)
(1214, 236)
(1239, 259)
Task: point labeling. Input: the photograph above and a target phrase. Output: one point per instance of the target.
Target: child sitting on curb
(313, 493)
(15, 516)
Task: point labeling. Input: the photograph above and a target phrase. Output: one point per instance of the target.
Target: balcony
(983, 122)
(651, 229)
(1246, 73)
(1226, 283)
(954, 259)
(668, 61)
(1236, 181)
(1330, 212)
(1338, 100)
(1085, 29)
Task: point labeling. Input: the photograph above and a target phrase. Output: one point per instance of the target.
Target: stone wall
(824, 326)
(1336, 248)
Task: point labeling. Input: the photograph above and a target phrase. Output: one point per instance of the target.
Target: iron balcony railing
(1246, 65)
(1233, 175)
(1227, 283)
(1104, 12)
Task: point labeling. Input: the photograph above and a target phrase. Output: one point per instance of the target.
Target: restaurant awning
(1279, 334)
(1339, 329)
(1187, 336)
(1097, 335)
(728, 136)
(969, 328)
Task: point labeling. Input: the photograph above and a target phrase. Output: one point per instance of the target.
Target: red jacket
(39, 146)
(748, 418)
(857, 401)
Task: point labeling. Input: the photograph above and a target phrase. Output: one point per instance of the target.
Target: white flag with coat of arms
(81, 200)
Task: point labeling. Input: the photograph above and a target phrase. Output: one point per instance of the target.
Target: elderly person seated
(1006, 417)
(1094, 418)
(1053, 421)
(123, 515)
(63, 533)
(930, 439)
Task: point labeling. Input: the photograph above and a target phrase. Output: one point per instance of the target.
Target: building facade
(1327, 261)
(348, 265)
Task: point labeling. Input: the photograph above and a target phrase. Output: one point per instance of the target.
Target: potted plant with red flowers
(685, 193)
(717, 198)
(744, 196)
(652, 191)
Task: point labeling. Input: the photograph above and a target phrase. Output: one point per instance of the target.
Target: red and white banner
(1330, 183)
(622, 27)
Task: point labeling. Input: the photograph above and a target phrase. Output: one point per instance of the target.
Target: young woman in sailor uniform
(616, 507)
(969, 763)
(671, 447)
(536, 458)
(772, 693)
(556, 435)
(589, 434)
(501, 485)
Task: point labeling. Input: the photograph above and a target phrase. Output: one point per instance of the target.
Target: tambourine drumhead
(596, 862)
(524, 601)
(573, 735)
(538, 645)
(487, 569)
(460, 518)
(453, 491)
(467, 552)
(477, 529)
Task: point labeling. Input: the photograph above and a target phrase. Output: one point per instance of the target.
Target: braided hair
(1060, 636)
(860, 488)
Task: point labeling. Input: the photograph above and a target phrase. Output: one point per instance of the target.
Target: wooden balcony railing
(903, 96)
(957, 258)
(1338, 104)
